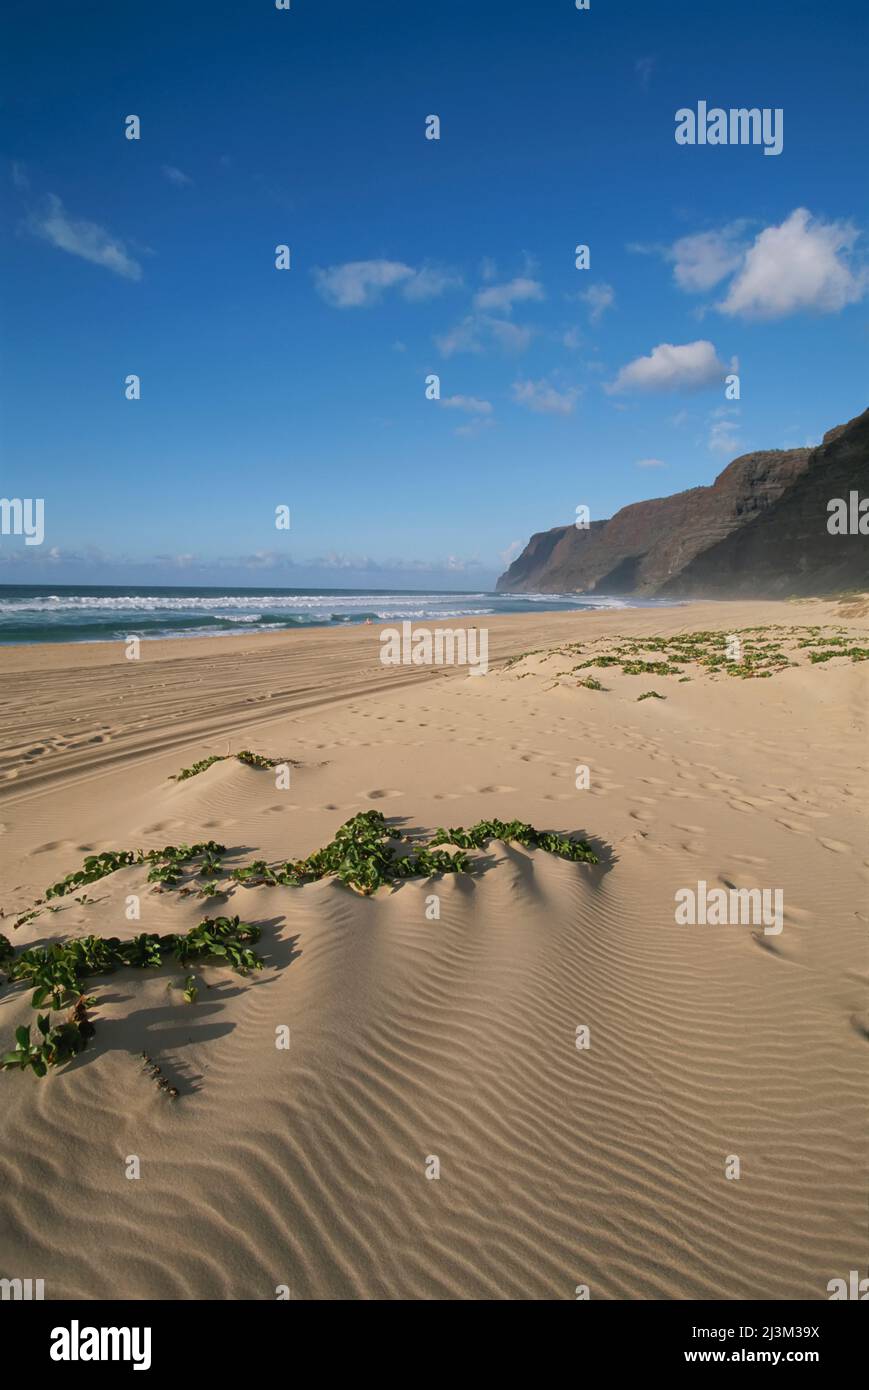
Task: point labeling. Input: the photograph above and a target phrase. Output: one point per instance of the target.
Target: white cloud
(599, 298)
(502, 297)
(513, 337)
(357, 284)
(88, 240)
(508, 555)
(702, 260)
(470, 334)
(429, 283)
(544, 398)
(723, 437)
(470, 404)
(651, 463)
(465, 337)
(489, 322)
(798, 265)
(176, 176)
(669, 367)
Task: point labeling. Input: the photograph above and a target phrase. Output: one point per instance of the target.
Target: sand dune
(454, 1038)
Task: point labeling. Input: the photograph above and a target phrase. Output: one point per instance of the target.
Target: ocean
(109, 613)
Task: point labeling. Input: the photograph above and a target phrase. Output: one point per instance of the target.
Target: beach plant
(95, 866)
(54, 1043)
(58, 971)
(256, 759)
(166, 875)
(143, 952)
(651, 695)
(479, 835)
(210, 865)
(365, 854)
(156, 1074)
(764, 651)
(250, 759)
(855, 653)
(220, 938)
(652, 668)
(196, 768)
(361, 856)
(26, 917)
(167, 865)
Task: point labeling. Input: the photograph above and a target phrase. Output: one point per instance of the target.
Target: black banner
(65, 1339)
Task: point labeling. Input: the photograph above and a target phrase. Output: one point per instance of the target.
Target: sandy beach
(308, 1168)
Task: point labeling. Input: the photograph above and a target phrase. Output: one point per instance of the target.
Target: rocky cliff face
(760, 529)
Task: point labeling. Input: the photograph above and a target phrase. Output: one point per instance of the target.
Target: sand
(305, 1169)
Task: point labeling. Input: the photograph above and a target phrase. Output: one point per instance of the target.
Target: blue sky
(410, 257)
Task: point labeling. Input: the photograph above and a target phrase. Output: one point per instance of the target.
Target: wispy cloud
(508, 555)
(465, 337)
(358, 284)
(176, 176)
(513, 337)
(470, 404)
(671, 367)
(651, 463)
(701, 259)
(599, 298)
(475, 426)
(501, 298)
(704, 259)
(88, 240)
(723, 435)
(476, 331)
(544, 398)
(430, 283)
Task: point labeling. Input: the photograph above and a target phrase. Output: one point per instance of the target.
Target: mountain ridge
(759, 529)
